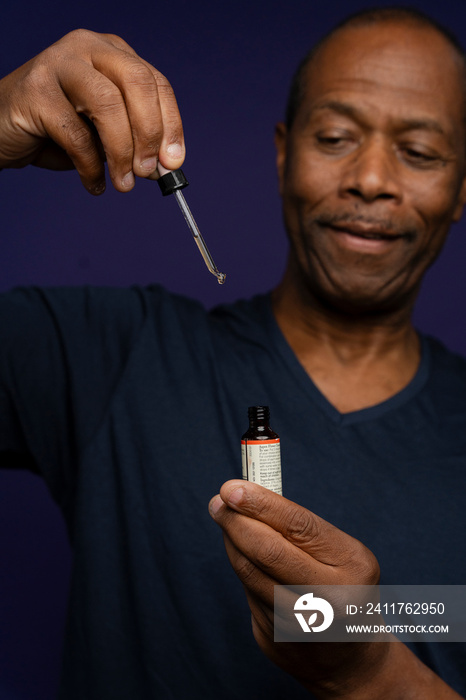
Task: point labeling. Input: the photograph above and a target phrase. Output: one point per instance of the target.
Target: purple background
(230, 65)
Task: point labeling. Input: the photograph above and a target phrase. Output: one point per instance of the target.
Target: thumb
(301, 527)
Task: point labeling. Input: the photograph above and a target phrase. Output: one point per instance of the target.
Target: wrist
(387, 671)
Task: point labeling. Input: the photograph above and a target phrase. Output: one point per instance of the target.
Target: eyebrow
(422, 124)
(414, 124)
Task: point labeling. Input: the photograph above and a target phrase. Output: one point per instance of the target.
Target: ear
(280, 145)
(458, 211)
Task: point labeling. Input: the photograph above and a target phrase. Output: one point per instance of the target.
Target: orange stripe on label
(275, 441)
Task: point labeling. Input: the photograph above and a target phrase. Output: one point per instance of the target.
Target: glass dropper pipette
(172, 182)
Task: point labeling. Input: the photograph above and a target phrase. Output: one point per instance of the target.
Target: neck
(356, 360)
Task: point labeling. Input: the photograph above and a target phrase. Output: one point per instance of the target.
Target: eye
(419, 157)
(330, 140)
(333, 142)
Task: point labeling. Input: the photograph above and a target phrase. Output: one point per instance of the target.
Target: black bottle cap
(258, 413)
(174, 180)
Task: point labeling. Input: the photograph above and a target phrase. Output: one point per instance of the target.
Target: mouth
(364, 237)
(367, 231)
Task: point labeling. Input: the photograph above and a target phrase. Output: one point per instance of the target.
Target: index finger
(152, 110)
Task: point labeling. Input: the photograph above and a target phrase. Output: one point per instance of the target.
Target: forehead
(395, 66)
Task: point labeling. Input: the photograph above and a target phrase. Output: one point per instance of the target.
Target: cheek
(435, 206)
(307, 183)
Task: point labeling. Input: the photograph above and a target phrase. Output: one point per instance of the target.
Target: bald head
(401, 18)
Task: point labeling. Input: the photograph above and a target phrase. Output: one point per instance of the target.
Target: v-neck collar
(372, 412)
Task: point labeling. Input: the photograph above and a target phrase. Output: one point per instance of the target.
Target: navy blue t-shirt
(131, 404)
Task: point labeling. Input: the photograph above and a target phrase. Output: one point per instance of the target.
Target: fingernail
(174, 150)
(99, 188)
(215, 505)
(128, 180)
(149, 164)
(236, 496)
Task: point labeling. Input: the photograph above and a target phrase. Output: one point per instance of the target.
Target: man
(105, 394)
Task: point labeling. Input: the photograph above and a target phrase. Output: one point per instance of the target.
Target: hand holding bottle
(271, 540)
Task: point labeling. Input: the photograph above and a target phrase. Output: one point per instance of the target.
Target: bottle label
(261, 463)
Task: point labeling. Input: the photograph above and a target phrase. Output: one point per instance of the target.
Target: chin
(361, 299)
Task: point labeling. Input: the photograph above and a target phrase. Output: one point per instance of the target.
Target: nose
(371, 173)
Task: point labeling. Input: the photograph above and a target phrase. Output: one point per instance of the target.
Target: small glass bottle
(260, 451)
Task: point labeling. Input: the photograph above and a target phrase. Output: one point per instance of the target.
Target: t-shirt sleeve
(62, 353)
